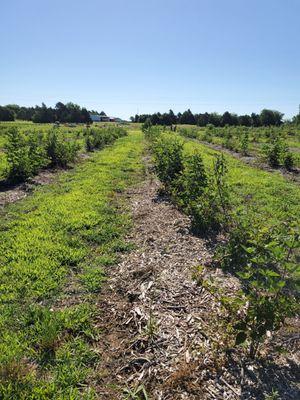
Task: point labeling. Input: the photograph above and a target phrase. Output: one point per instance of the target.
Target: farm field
(250, 141)
(150, 200)
(125, 276)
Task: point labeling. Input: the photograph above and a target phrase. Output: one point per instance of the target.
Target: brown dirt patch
(11, 194)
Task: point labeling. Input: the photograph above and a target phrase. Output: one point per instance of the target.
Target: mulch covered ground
(164, 333)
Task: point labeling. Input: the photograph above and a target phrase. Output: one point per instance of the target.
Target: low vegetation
(54, 248)
(57, 244)
(96, 138)
(26, 153)
(278, 146)
(263, 257)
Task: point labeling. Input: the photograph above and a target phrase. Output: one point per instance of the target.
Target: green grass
(258, 137)
(268, 196)
(64, 233)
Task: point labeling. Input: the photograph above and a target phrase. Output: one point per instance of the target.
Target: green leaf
(241, 326)
(249, 250)
(269, 272)
(240, 338)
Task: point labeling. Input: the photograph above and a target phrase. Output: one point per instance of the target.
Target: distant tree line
(265, 118)
(98, 113)
(68, 112)
(296, 119)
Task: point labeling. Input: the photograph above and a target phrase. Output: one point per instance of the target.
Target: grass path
(59, 238)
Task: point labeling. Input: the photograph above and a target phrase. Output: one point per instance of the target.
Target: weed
(138, 393)
(151, 328)
(272, 396)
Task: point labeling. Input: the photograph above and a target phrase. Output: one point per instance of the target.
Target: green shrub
(97, 138)
(229, 142)
(17, 153)
(26, 155)
(191, 133)
(37, 151)
(289, 161)
(89, 143)
(192, 182)
(266, 262)
(245, 144)
(209, 133)
(60, 151)
(168, 154)
(269, 285)
(210, 211)
(152, 133)
(207, 136)
(146, 125)
(275, 152)
(204, 196)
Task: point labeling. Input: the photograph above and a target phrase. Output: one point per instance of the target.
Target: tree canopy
(265, 118)
(6, 114)
(68, 112)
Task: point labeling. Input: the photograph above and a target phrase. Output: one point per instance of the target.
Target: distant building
(104, 118)
(95, 117)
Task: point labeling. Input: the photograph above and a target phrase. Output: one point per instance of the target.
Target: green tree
(6, 114)
(43, 114)
(270, 117)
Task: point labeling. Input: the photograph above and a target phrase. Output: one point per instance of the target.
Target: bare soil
(13, 193)
(164, 333)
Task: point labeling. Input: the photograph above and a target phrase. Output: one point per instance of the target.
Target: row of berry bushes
(30, 152)
(274, 149)
(97, 138)
(265, 260)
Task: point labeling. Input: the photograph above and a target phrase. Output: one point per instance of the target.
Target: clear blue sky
(125, 56)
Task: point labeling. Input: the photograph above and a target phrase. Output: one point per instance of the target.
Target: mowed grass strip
(267, 196)
(61, 235)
